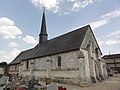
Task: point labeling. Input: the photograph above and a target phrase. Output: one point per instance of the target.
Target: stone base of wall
(93, 80)
(74, 81)
(84, 82)
(102, 77)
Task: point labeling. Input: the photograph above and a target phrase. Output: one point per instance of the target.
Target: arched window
(27, 64)
(59, 61)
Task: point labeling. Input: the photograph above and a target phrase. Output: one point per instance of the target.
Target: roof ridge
(69, 32)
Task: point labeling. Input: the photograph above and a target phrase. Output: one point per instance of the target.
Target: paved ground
(111, 83)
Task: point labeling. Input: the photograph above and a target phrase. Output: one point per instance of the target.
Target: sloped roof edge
(63, 43)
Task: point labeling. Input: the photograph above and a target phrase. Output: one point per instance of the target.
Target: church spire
(43, 34)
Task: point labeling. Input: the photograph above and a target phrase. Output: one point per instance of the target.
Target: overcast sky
(20, 22)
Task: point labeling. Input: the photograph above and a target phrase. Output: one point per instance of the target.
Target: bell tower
(43, 36)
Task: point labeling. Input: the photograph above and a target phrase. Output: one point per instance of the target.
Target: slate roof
(64, 43)
(111, 56)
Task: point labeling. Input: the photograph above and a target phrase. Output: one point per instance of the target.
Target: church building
(73, 58)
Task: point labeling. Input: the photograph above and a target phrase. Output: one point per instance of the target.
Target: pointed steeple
(43, 34)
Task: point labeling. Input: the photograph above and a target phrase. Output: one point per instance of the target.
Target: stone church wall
(69, 68)
(14, 70)
(84, 65)
(92, 52)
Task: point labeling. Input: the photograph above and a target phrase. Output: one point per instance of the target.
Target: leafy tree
(3, 64)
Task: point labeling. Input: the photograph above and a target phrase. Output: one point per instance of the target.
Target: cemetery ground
(111, 83)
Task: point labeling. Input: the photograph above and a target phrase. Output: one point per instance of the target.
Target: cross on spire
(44, 9)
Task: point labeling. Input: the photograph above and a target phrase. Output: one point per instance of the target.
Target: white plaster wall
(40, 74)
(1, 71)
(23, 65)
(85, 52)
(40, 63)
(70, 74)
(69, 60)
(89, 37)
(90, 41)
(14, 69)
(26, 73)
